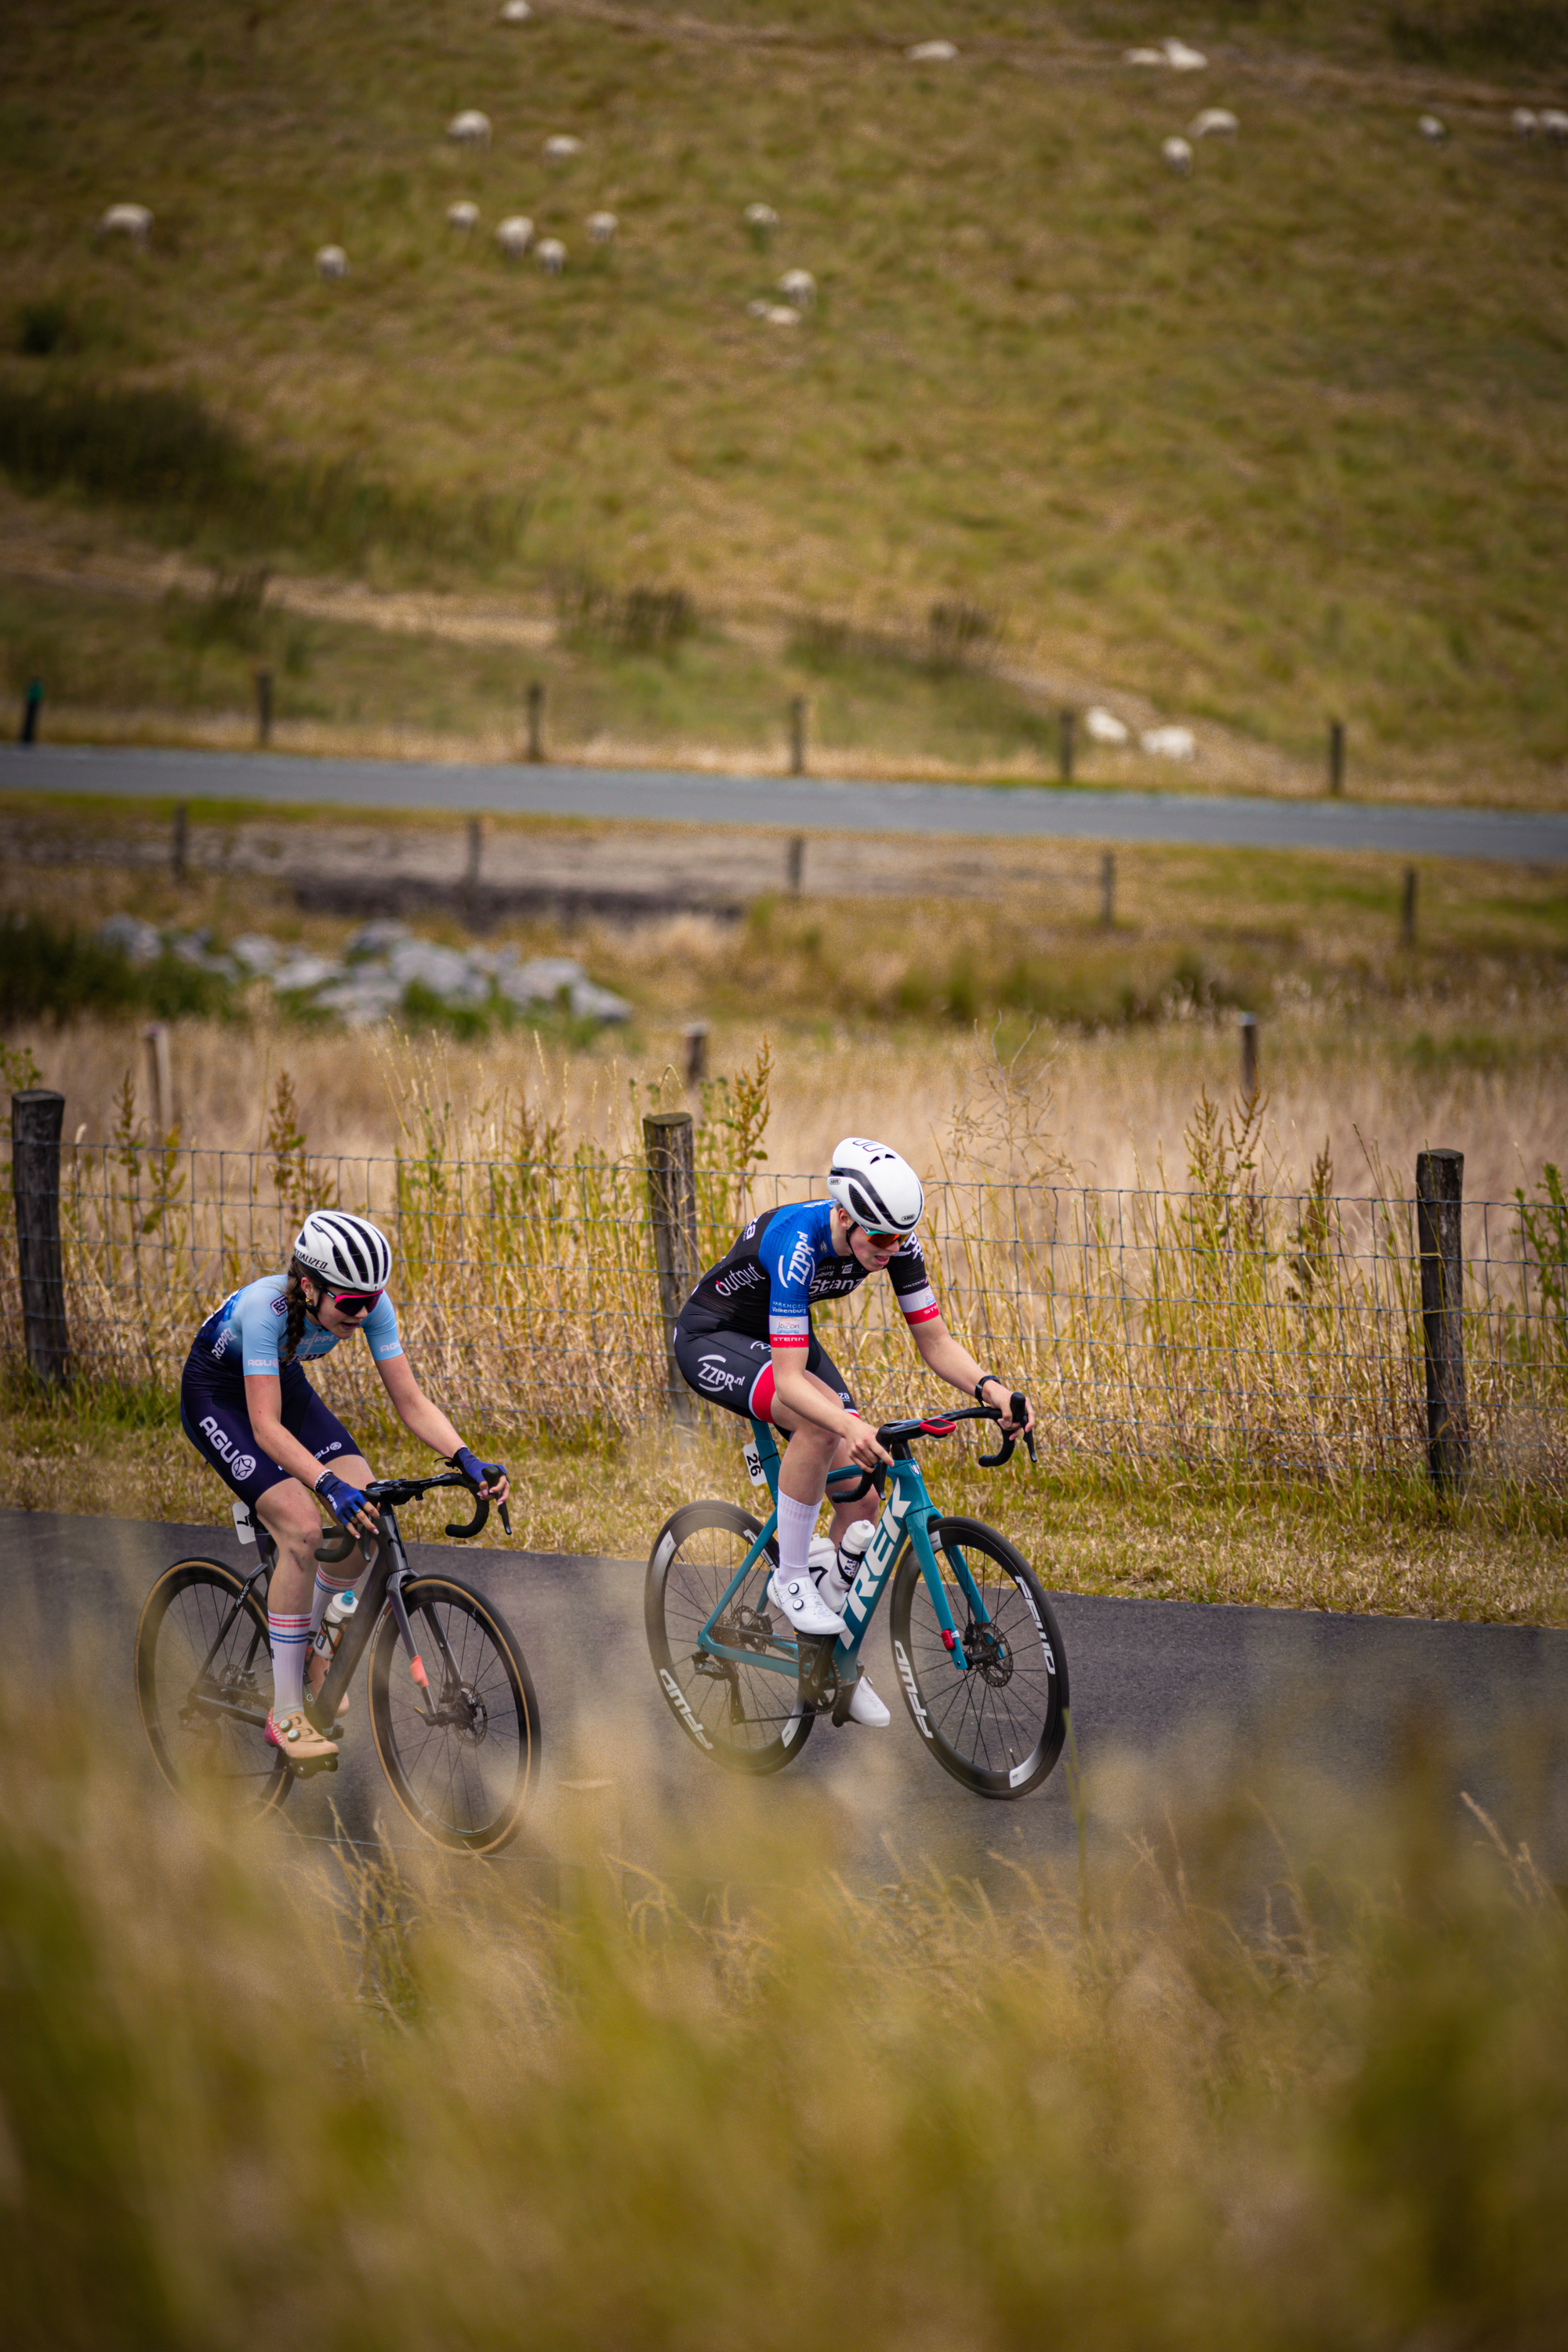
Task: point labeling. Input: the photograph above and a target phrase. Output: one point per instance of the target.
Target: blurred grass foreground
(1264, 2071)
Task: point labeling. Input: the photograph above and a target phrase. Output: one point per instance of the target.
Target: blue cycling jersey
(765, 1284)
(247, 1333)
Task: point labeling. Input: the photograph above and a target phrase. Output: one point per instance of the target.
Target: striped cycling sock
(290, 1637)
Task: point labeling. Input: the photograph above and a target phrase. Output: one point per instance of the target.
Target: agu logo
(242, 1465)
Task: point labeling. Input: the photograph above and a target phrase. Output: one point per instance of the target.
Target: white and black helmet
(874, 1187)
(341, 1248)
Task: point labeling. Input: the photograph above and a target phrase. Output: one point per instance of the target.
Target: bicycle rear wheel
(205, 1720)
(747, 1718)
(460, 1755)
(998, 1728)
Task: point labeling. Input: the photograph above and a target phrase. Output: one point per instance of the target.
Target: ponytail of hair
(294, 1298)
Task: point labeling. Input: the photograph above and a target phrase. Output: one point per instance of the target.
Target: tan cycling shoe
(298, 1738)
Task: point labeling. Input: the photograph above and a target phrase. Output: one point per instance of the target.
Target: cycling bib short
(758, 1297)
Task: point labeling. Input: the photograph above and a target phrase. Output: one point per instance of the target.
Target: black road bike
(452, 1709)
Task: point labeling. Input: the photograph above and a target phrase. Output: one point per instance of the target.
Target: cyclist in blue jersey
(743, 1339)
(248, 1409)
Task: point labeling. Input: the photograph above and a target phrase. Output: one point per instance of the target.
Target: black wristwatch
(980, 1384)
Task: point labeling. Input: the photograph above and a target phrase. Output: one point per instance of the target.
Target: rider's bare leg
(812, 1452)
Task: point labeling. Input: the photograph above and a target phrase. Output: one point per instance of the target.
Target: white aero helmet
(345, 1249)
(874, 1187)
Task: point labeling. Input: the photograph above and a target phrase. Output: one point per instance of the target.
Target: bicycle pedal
(306, 1767)
(842, 1702)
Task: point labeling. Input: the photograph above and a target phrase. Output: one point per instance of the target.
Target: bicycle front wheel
(999, 1726)
(748, 1718)
(204, 1684)
(460, 1755)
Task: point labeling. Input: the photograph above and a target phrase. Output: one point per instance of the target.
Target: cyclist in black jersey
(744, 1340)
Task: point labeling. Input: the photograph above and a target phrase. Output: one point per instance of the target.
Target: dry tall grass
(1277, 2068)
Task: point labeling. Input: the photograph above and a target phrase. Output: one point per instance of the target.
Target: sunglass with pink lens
(353, 1302)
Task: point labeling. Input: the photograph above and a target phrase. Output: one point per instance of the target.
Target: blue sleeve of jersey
(790, 1258)
(259, 1322)
(380, 1328)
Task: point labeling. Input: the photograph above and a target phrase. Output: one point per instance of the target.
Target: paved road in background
(1149, 1679)
(799, 804)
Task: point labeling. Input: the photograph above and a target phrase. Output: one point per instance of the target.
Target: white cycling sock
(796, 1521)
(290, 1638)
(321, 1599)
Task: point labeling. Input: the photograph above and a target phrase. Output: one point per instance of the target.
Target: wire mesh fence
(1222, 1331)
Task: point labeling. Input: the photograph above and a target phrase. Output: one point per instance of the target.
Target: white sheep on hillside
(1554, 124)
(1178, 155)
(602, 228)
(469, 129)
(561, 147)
(1168, 743)
(1181, 59)
(1104, 727)
(798, 287)
(1432, 127)
(775, 314)
(1143, 57)
(516, 12)
(463, 216)
(332, 263)
(551, 255)
(931, 53)
(515, 236)
(1214, 122)
(134, 221)
(1526, 121)
(761, 221)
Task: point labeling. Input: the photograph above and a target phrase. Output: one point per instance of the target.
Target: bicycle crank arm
(200, 1704)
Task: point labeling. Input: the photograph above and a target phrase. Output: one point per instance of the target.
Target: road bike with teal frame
(976, 1649)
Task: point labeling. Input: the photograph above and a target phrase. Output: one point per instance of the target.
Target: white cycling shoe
(801, 1605)
(866, 1708)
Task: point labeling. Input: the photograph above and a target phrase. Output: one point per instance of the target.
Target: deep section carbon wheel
(748, 1718)
(461, 1752)
(204, 1684)
(999, 1725)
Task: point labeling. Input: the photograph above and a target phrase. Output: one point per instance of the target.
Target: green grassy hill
(1281, 438)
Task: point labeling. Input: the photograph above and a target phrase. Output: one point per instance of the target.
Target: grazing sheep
(552, 255)
(1143, 57)
(469, 129)
(562, 148)
(931, 53)
(1525, 122)
(134, 221)
(1179, 156)
(1430, 127)
(1104, 727)
(602, 228)
(515, 236)
(463, 216)
(1214, 122)
(1180, 59)
(1168, 743)
(1554, 123)
(516, 12)
(775, 314)
(332, 263)
(799, 287)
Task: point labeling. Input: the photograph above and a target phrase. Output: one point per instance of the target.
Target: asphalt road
(1170, 1686)
(797, 802)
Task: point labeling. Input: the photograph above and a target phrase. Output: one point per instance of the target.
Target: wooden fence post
(36, 1116)
(1439, 1209)
(1336, 757)
(31, 706)
(1108, 891)
(672, 1207)
(263, 708)
(159, 1079)
(1407, 910)
(694, 1036)
(179, 848)
(536, 723)
(1065, 744)
(795, 863)
(797, 735)
(1248, 1056)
